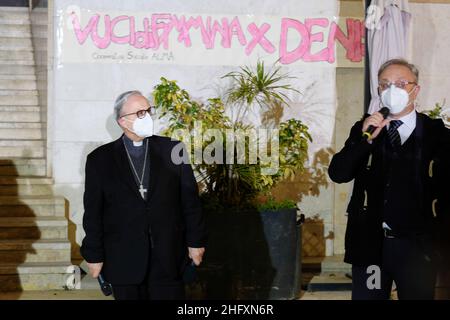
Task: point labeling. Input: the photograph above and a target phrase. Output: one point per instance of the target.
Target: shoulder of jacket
(164, 141)
(429, 121)
(101, 150)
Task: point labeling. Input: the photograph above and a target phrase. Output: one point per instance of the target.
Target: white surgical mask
(395, 99)
(143, 127)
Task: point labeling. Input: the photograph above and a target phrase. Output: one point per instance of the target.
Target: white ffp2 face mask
(143, 127)
(395, 99)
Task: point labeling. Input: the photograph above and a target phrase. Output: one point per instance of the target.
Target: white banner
(88, 36)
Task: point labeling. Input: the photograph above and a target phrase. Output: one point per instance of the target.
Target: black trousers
(409, 262)
(149, 291)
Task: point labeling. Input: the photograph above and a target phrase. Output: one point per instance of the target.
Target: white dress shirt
(407, 127)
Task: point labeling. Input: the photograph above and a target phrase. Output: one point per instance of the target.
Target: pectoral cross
(142, 191)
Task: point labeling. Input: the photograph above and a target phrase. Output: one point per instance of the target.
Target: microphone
(105, 286)
(190, 273)
(368, 133)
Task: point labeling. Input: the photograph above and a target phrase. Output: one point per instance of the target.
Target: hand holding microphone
(373, 125)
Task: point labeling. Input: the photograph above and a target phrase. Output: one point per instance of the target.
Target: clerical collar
(129, 142)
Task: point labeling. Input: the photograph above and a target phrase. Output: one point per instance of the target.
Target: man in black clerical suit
(399, 202)
(143, 217)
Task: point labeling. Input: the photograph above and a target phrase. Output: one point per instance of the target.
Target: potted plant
(253, 244)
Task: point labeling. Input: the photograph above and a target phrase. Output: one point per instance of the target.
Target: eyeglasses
(141, 113)
(383, 85)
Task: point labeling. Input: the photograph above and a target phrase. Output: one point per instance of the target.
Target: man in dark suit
(397, 200)
(143, 217)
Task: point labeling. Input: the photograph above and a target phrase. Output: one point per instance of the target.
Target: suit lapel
(381, 146)
(419, 143)
(123, 166)
(155, 165)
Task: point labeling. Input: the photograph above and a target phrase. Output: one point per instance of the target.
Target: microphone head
(384, 111)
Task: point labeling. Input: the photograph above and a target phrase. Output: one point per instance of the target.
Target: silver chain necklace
(142, 191)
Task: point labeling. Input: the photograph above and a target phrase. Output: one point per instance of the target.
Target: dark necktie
(393, 135)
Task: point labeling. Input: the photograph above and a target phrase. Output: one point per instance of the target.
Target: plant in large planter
(231, 189)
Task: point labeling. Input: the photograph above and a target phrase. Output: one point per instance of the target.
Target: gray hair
(121, 99)
(399, 62)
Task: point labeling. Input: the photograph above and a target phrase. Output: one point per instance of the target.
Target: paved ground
(91, 292)
(97, 295)
(55, 295)
(326, 295)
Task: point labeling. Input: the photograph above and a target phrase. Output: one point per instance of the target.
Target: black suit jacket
(364, 234)
(117, 220)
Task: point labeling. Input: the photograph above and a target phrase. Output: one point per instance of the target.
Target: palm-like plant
(237, 185)
(250, 86)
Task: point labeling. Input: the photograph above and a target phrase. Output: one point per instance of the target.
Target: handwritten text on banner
(89, 36)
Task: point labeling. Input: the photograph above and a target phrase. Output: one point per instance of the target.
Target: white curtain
(388, 23)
